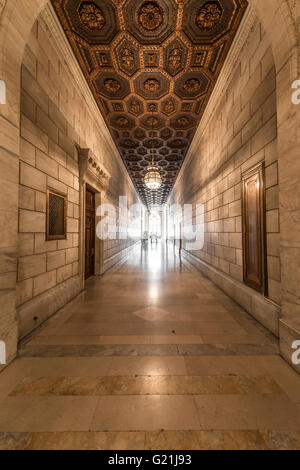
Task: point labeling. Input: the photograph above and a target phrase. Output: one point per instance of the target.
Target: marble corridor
(150, 356)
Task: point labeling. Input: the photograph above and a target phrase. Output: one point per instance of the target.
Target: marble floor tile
(205, 440)
(231, 440)
(171, 362)
(152, 314)
(64, 366)
(280, 440)
(90, 340)
(10, 376)
(14, 441)
(274, 411)
(286, 377)
(35, 413)
(144, 328)
(153, 440)
(222, 365)
(248, 440)
(256, 338)
(100, 350)
(226, 349)
(73, 441)
(145, 413)
(173, 440)
(146, 385)
(148, 366)
(87, 441)
(176, 339)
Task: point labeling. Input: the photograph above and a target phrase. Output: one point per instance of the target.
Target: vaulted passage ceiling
(151, 66)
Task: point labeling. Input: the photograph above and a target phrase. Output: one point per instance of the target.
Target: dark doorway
(89, 233)
(254, 228)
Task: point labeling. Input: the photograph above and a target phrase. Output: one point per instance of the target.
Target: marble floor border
(146, 385)
(261, 439)
(149, 350)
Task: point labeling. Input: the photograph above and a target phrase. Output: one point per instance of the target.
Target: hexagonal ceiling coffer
(135, 106)
(169, 106)
(150, 21)
(139, 134)
(152, 121)
(122, 121)
(151, 85)
(192, 85)
(129, 143)
(94, 21)
(182, 121)
(175, 56)
(166, 133)
(127, 57)
(177, 143)
(142, 151)
(111, 85)
(153, 143)
(205, 22)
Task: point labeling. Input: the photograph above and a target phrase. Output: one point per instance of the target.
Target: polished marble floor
(151, 356)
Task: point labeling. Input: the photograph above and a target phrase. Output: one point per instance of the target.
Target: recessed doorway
(89, 233)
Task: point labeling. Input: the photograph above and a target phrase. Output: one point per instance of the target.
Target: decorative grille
(56, 216)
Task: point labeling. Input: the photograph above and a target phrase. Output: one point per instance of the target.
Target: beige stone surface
(31, 266)
(244, 125)
(52, 121)
(31, 221)
(144, 390)
(56, 259)
(32, 178)
(44, 282)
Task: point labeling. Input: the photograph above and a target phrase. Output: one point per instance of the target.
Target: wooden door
(254, 229)
(89, 234)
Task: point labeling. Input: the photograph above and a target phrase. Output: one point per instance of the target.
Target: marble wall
(55, 122)
(280, 38)
(240, 133)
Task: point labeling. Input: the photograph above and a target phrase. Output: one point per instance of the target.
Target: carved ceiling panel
(152, 66)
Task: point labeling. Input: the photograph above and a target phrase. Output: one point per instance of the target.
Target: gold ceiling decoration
(152, 66)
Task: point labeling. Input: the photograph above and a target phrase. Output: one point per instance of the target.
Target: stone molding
(118, 259)
(89, 167)
(64, 50)
(222, 82)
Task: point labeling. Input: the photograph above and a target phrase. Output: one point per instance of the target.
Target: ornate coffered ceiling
(152, 66)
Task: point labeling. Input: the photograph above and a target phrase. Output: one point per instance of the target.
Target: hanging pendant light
(153, 180)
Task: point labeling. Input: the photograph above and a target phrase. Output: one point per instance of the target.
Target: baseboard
(38, 310)
(119, 257)
(262, 309)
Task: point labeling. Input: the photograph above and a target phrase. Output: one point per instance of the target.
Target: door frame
(259, 171)
(92, 190)
(94, 176)
(99, 244)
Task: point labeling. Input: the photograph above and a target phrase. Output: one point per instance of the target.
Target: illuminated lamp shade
(153, 179)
